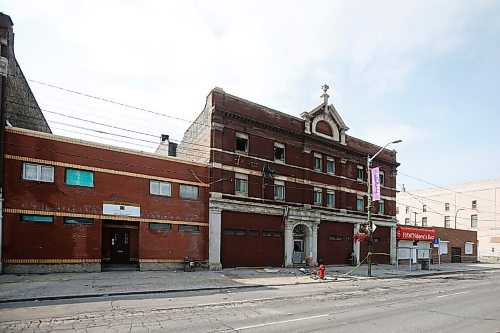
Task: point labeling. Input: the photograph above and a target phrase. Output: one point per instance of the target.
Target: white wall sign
(121, 209)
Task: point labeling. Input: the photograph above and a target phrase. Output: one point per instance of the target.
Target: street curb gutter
(250, 286)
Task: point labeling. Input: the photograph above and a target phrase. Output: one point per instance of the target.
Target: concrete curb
(249, 286)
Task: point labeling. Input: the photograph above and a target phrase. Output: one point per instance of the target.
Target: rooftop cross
(325, 95)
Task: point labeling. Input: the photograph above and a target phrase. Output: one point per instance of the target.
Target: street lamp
(369, 214)
(456, 212)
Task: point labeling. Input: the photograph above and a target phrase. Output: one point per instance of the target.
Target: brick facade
(244, 138)
(119, 177)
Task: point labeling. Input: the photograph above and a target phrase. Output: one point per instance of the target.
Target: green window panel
(79, 178)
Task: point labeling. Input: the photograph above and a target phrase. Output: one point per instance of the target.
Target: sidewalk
(16, 288)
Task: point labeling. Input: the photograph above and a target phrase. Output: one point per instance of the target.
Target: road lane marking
(279, 322)
(462, 292)
(235, 302)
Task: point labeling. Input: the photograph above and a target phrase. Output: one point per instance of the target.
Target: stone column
(288, 243)
(357, 246)
(314, 241)
(394, 243)
(214, 238)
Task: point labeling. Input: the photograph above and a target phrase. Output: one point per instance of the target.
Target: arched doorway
(300, 244)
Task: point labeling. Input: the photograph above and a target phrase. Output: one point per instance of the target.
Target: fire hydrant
(321, 271)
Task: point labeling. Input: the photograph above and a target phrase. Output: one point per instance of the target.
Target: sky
(424, 72)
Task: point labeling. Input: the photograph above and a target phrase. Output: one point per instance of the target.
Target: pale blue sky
(425, 72)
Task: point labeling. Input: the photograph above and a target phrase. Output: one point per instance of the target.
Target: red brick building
(285, 188)
(71, 205)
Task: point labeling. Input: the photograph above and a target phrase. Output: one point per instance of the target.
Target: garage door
(251, 240)
(335, 243)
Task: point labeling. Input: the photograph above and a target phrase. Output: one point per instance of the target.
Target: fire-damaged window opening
(241, 143)
(279, 152)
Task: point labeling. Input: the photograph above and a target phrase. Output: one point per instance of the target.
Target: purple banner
(375, 184)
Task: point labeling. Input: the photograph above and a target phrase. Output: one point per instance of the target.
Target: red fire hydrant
(321, 271)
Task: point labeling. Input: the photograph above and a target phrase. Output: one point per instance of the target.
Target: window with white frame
(447, 206)
(279, 190)
(160, 188)
(330, 199)
(360, 204)
(424, 221)
(241, 184)
(446, 221)
(318, 196)
(473, 221)
(361, 172)
(474, 204)
(279, 152)
(381, 207)
(443, 247)
(318, 162)
(241, 143)
(407, 220)
(381, 178)
(189, 192)
(330, 165)
(38, 172)
(469, 248)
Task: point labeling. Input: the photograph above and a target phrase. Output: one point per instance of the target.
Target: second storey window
(279, 190)
(381, 207)
(360, 205)
(407, 220)
(474, 204)
(330, 165)
(424, 221)
(241, 143)
(160, 188)
(330, 199)
(447, 206)
(424, 208)
(42, 173)
(79, 177)
(241, 184)
(318, 196)
(279, 152)
(189, 192)
(318, 161)
(361, 173)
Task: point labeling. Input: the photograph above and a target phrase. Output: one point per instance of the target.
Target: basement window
(160, 226)
(189, 228)
(78, 221)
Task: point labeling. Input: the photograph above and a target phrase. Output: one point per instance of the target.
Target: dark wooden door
(120, 246)
(456, 254)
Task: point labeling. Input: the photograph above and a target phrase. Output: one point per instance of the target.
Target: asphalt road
(466, 302)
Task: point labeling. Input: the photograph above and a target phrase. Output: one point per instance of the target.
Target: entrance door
(120, 246)
(299, 244)
(456, 254)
